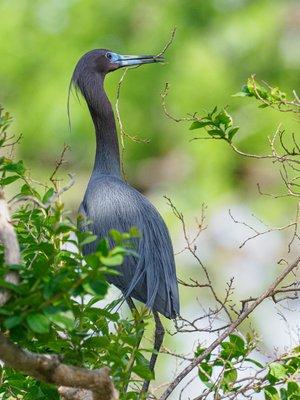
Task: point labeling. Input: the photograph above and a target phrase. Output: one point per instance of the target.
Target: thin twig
(123, 133)
(247, 311)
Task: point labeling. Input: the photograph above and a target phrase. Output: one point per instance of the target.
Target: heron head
(94, 65)
(103, 61)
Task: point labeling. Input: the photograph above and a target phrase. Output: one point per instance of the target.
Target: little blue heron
(111, 203)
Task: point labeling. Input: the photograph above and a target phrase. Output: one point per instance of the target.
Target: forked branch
(248, 309)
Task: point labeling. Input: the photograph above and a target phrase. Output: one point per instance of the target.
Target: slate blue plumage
(111, 203)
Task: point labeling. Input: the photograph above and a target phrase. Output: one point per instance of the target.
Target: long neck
(107, 159)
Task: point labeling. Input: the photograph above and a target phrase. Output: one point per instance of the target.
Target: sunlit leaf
(271, 393)
(143, 372)
(38, 323)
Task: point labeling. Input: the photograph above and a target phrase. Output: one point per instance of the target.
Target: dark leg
(158, 340)
(131, 305)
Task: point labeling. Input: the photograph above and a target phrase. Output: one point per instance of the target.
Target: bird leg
(158, 340)
(131, 305)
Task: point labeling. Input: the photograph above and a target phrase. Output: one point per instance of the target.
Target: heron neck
(107, 158)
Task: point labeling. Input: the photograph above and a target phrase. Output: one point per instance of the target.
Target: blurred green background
(218, 44)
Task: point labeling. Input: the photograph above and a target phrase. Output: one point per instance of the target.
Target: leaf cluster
(218, 124)
(55, 309)
(223, 373)
(269, 96)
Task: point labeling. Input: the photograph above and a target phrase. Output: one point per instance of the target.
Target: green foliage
(269, 96)
(218, 124)
(55, 307)
(216, 46)
(220, 372)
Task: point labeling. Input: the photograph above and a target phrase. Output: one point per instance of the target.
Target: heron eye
(108, 55)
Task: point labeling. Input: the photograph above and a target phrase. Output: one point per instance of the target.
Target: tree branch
(249, 308)
(48, 368)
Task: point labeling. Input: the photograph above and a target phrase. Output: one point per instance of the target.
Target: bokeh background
(218, 44)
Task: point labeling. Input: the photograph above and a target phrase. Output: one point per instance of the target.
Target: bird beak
(129, 60)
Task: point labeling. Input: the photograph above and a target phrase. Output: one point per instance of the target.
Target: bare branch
(58, 164)
(163, 96)
(247, 311)
(192, 249)
(168, 44)
(257, 233)
(123, 133)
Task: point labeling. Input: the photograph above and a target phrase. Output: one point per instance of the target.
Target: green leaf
(224, 118)
(216, 132)
(93, 261)
(141, 359)
(199, 125)
(97, 342)
(28, 190)
(271, 393)
(38, 323)
(10, 286)
(234, 348)
(117, 250)
(89, 239)
(8, 180)
(205, 372)
(293, 389)
(232, 132)
(64, 228)
(113, 261)
(230, 376)
(213, 111)
(237, 341)
(111, 316)
(283, 394)
(277, 372)
(15, 167)
(199, 351)
(263, 105)
(116, 236)
(143, 372)
(134, 232)
(3, 311)
(296, 350)
(13, 321)
(258, 364)
(99, 287)
(64, 319)
(47, 196)
(240, 94)
(103, 247)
